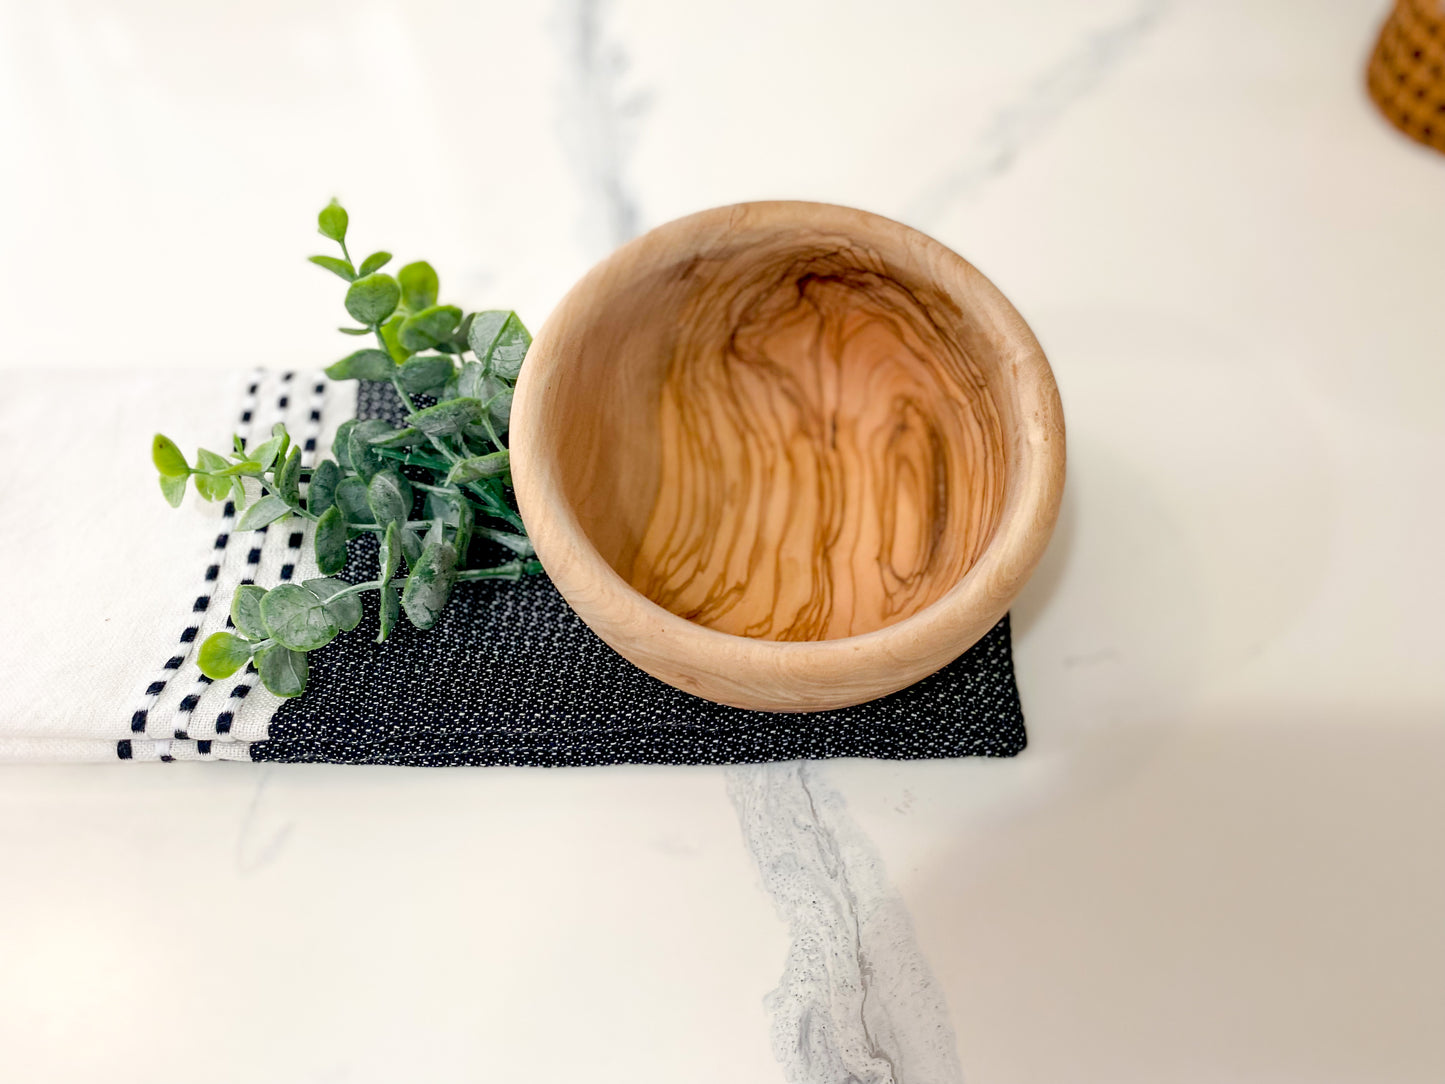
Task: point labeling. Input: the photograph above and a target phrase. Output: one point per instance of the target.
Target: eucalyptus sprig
(428, 520)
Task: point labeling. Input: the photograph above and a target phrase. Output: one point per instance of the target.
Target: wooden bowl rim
(1034, 457)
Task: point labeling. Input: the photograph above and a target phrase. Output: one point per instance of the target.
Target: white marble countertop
(1220, 857)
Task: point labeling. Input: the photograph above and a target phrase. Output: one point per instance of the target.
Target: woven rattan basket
(1407, 70)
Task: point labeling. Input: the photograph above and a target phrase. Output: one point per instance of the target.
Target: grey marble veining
(598, 121)
(1241, 787)
(857, 1002)
(1019, 122)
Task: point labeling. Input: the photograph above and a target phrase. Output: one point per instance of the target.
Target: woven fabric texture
(511, 675)
(1406, 75)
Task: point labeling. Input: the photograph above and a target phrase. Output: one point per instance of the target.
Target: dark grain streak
(831, 460)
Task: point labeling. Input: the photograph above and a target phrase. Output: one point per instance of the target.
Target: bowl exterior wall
(793, 676)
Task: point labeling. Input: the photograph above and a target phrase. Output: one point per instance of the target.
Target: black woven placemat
(510, 675)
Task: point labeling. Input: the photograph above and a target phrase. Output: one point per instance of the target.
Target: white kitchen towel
(89, 750)
(114, 591)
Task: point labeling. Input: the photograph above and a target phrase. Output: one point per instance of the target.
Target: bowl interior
(782, 435)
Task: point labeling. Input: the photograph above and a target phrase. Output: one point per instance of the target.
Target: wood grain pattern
(787, 456)
(830, 462)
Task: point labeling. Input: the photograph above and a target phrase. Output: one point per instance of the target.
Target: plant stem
(487, 422)
(449, 490)
(401, 392)
(377, 528)
(491, 502)
(502, 537)
(414, 459)
(495, 507)
(406, 400)
(300, 511)
(436, 442)
(512, 570)
(356, 589)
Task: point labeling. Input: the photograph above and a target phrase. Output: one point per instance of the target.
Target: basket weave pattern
(1407, 71)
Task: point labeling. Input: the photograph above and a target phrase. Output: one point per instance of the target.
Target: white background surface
(1221, 856)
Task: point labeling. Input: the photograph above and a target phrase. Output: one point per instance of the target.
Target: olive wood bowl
(787, 456)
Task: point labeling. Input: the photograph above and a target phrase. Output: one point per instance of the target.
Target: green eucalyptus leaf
(279, 430)
(283, 671)
(430, 326)
(354, 330)
(424, 372)
(486, 328)
(368, 364)
(500, 342)
(465, 525)
(174, 489)
(267, 510)
(340, 268)
(330, 541)
(491, 465)
(246, 611)
(212, 489)
(375, 262)
(321, 490)
(389, 495)
(448, 416)
(389, 332)
(351, 499)
(372, 299)
(296, 618)
(266, 452)
(519, 544)
(288, 478)
(419, 285)
(471, 382)
(247, 468)
(463, 331)
(496, 393)
(331, 222)
(390, 611)
(456, 512)
(366, 460)
(410, 547)
(492, 386)
(222, 655)
(346, 612)
(217, 486)
(238, 493)
(499, 407)
(401, 438)
(339, 444)
(168, 458)
(440, 504)
(390, 555)
(430, 584)
(208, 460)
